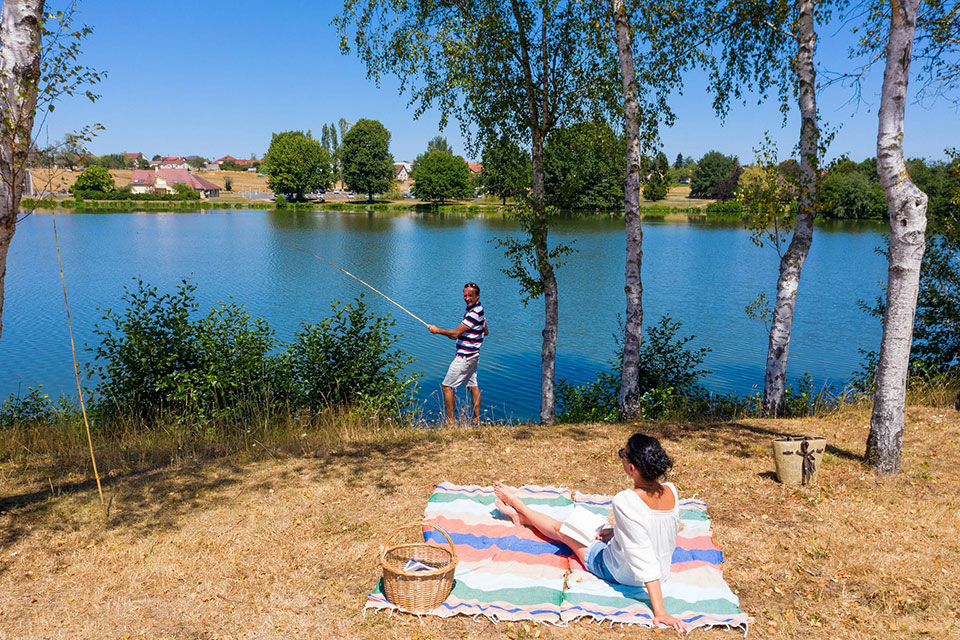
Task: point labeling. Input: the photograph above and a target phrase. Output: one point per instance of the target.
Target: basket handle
(419, 523)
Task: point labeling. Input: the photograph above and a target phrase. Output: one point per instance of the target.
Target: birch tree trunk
(907, 208)
(791, 264)
(551, 315)
(628, 400)
(20, 32)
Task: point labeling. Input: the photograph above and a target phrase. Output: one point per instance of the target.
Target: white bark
(791, 264)
(551, 314)
(628, 400)
(907, 207)
(20, 22)
(540, 124)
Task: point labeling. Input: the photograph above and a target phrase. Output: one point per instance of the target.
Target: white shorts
(462, 370)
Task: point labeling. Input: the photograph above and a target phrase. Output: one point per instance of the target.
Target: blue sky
(214, 78)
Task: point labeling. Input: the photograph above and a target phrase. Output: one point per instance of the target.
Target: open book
(583, 525)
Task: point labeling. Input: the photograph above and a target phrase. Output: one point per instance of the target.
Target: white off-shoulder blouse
(643, 539)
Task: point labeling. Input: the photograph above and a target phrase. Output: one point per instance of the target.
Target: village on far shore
(224, 177)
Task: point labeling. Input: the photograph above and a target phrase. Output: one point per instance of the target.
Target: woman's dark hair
(647, 455)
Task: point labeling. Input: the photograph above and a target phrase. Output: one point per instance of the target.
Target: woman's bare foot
(509, 511)
(503, 492)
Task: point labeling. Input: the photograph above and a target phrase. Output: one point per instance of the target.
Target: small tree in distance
(95, 178)
(440, 176)
(656, 187)
(365, 158)
(506, 172)
(439, 143)
(715, 176)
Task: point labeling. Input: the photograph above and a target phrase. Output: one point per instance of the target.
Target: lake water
(702, 274)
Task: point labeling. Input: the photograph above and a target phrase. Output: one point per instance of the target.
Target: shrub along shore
(195, 206)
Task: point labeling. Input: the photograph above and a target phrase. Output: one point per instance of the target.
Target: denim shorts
(594, 561)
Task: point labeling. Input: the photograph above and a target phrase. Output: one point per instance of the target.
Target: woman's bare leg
(524, 515)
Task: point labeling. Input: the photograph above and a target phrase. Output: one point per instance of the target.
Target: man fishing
(469, 336)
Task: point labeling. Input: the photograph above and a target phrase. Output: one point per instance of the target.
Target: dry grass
(240, 180)
(54, 179)
(283, 545)
(679, 197)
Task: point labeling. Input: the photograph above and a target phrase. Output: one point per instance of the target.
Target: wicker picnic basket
(417, 591)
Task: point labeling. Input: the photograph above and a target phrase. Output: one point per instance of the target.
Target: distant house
(148, 181)
(402, 171)
(162, 181)
(174, 162)
(194, 161)
(133, 158)
(476, 167)
(240, 162)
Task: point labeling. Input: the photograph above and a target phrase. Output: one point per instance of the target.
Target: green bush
(669, 377)
(730, 207)
(36, 406)
(807, 400)
(129, 195)
(157, 359)
(591, 402)
(95, 179)
(349, 359)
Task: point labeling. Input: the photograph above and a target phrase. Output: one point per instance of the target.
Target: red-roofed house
(162, 181)
(174, 162)
(146, 181)
(476, 167)
(238, 161)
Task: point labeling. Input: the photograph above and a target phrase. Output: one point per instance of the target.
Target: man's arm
(453, 334)
(486, 331)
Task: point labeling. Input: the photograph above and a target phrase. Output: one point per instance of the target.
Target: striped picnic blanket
(513, 573)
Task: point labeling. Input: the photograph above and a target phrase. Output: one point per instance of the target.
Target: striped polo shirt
(468, 344)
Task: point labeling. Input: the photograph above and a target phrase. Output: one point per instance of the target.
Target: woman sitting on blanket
(638, 549)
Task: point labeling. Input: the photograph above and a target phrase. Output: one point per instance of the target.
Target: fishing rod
(372, 288)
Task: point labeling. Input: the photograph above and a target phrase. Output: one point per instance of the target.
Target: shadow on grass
(738, 438)
(140, 501)
(371, 457)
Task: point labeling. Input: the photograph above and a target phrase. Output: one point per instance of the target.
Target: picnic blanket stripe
(482, 527)
(617, 616)
(506, 567)
(690, 592)
(673, 605)
(526, 489)
(539, 596)
(488, 499)
(558, 511)
(494, 581)
(504, 543)
(450, 608)
(478, 555)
